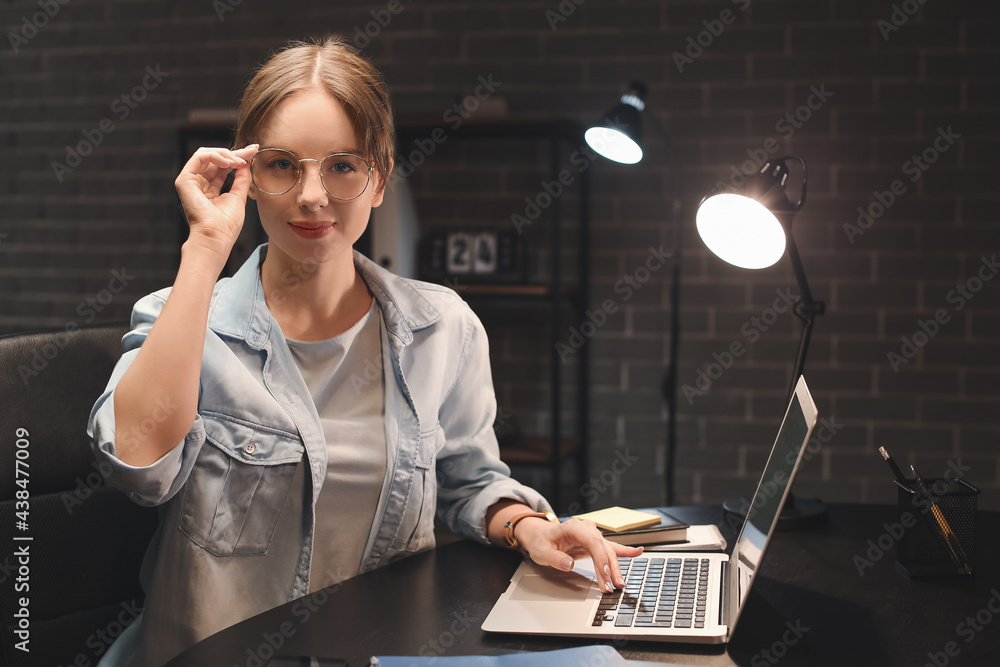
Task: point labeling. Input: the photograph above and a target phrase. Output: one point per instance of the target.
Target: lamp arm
(807, 307)
(806, 310)
(806, 300)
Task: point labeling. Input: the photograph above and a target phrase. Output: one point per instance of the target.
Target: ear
(252, 192)
(379, 181)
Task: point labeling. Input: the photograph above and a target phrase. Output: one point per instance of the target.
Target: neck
(314, 300)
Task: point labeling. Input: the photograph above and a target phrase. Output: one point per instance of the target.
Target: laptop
(676, 596)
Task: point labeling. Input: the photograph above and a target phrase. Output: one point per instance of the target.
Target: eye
(342, 168)
(280, 164)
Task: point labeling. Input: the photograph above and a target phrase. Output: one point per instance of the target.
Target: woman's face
(306, 222)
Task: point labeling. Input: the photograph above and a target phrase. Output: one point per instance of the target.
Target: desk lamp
(617, 137)
(618, 134)
(751, 228)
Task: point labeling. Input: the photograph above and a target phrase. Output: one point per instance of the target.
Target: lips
(311, 230)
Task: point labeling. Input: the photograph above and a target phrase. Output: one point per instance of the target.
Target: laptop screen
(772, 489)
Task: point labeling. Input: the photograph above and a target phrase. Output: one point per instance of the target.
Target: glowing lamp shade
(613, 144)
(740, 230)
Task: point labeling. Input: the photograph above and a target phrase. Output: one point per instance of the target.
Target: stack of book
(635, 528)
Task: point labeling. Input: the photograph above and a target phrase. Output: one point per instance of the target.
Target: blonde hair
(333, 64)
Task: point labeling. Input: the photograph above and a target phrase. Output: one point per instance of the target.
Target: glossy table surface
(846, 606)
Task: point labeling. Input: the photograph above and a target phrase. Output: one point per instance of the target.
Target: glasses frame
(301, 170)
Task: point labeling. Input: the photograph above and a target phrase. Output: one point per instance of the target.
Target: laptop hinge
(724, 599)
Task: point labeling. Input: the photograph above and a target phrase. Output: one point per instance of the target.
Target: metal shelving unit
(550, 451)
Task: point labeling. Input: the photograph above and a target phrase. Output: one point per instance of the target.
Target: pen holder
(940, 528)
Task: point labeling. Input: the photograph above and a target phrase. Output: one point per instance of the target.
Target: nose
(311, 193)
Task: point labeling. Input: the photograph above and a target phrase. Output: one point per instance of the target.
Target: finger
(627, 552)
(553, 557)
(614, 569)
(605, 564)
(620, 550)
(241, 184)
(207, 161)
(205, 173)
(247, 152)
(588, 535)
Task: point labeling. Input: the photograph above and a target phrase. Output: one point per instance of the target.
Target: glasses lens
(274, 171)
(345, 175)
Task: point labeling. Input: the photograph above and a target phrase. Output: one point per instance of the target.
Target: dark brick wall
(890, 92)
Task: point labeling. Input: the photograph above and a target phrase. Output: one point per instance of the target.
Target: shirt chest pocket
(233, 498)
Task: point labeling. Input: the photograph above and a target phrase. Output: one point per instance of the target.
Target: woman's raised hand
(215, 219)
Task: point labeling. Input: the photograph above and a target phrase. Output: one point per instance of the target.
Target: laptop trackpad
(553, 587)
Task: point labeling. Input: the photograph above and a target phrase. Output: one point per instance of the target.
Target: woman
(247, 410)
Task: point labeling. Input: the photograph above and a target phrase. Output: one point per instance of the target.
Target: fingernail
(566, 564)
(607, 570)
(609, 587)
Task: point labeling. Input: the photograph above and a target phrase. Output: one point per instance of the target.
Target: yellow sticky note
(617, 519)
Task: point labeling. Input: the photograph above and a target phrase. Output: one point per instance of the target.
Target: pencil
(950, 539)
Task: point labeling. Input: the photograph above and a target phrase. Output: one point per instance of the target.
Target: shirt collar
(403, 308)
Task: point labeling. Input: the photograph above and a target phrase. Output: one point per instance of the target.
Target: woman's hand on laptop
(559, 544)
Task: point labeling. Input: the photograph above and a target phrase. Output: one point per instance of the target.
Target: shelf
(507, 290)
(554, 293)
(536, 449)
(532, 292)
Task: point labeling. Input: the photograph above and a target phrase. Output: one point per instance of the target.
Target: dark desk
(434, 603)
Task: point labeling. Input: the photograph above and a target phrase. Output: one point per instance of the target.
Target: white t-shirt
(344, 376)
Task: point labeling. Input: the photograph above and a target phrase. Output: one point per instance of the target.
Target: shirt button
(250, 448)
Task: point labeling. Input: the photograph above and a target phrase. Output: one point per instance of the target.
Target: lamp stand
(796, 513)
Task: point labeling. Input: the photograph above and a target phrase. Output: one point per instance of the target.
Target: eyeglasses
(275, 171)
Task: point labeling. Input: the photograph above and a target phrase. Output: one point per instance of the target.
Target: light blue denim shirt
(237, 496)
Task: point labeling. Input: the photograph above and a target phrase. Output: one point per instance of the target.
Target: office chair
(87, 540)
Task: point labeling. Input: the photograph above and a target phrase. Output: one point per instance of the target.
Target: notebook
(693, 597)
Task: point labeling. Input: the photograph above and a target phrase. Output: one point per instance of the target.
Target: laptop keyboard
(659, 593)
